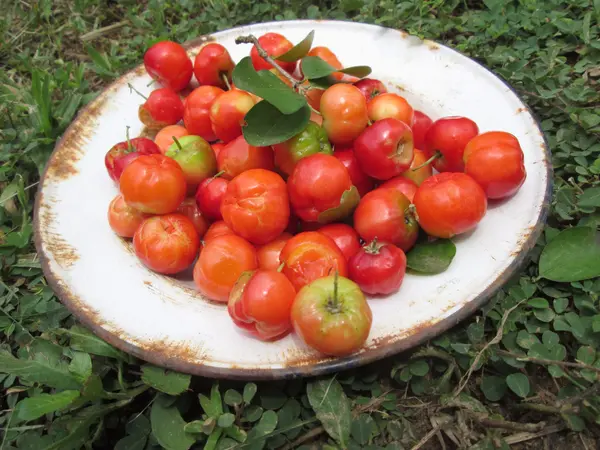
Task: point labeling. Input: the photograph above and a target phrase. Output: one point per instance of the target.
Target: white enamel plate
(165, 321)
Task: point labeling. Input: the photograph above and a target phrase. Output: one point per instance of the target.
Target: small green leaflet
(32, 408)
(168, 425)
(315, 67)
(266, 125)
(299, 50)
(431, 257)
(268, 86)
(84, 340)
(590, 198)
(40, 370)
(573, 255)
(332, 407)
(169, 382)
(519, 384)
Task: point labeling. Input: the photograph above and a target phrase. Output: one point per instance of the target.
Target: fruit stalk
(251, 39)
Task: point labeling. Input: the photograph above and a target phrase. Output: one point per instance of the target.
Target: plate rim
(304, 370)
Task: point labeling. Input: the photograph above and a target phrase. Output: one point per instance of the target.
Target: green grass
(62, 388)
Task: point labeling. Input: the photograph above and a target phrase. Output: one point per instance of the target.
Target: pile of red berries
(292, 235)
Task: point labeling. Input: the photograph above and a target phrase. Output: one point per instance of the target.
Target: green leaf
(132, 442)
(266, 425)
(540, 303)
(519, 384)
(168, 425)
(544, 315)
(232, 397)
(195, 426)
(93, 388)
(526, 340)
(348, 202)
(590, 198)
(267, 86)
(81, 366)
(164, 380)
(363, 427)
(249, 392)
(252, 413)
(493, 387)
(431, 257)
(41, 370)
(586, 27)
(574, 422)
(330, 404)
(550, 338)
(266, 125)
(315, 67)
(299, 50)
(560, 305)
(213, 439)
(586, 355)
(419, 368)
(84, 340)
(32, 408)
(226, 420)
(573, 255)
(556, 352)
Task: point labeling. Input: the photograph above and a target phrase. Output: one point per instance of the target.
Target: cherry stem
(151, 82)
(437, 155)
(315, 111)
(335, 288)
(251, 39)
(373, 247)
(226, 80)
(131, 88)
(129, 145)
(179, 146)
(281, 266)
(218, 174)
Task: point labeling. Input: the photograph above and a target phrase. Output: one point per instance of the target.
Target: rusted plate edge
(327, 366)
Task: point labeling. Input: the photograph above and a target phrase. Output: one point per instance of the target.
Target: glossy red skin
(449, 204)
(209, 197)
(123, 153)
(405, 185)
(153, 184)
(390, 105)
(378, 269)
(190, 209)
(256, 206)
(268, 254)
(166, 244)
(212, 63)
(421, 123)
(383, 214)
(344, 111)
(370, 88)
(216, 229)
(221, 262)
(227, 114)
(490, 138)
(169, 63)
(196, 111)
(217, 148)
(123, 219)
(163, 107)
(498, 168)
(275, 45)
(238, 156)
(261, 303)
(361, 180)
(311, 255)
(376, 149)
(450, 135)
(344, 236)
(316, 185)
